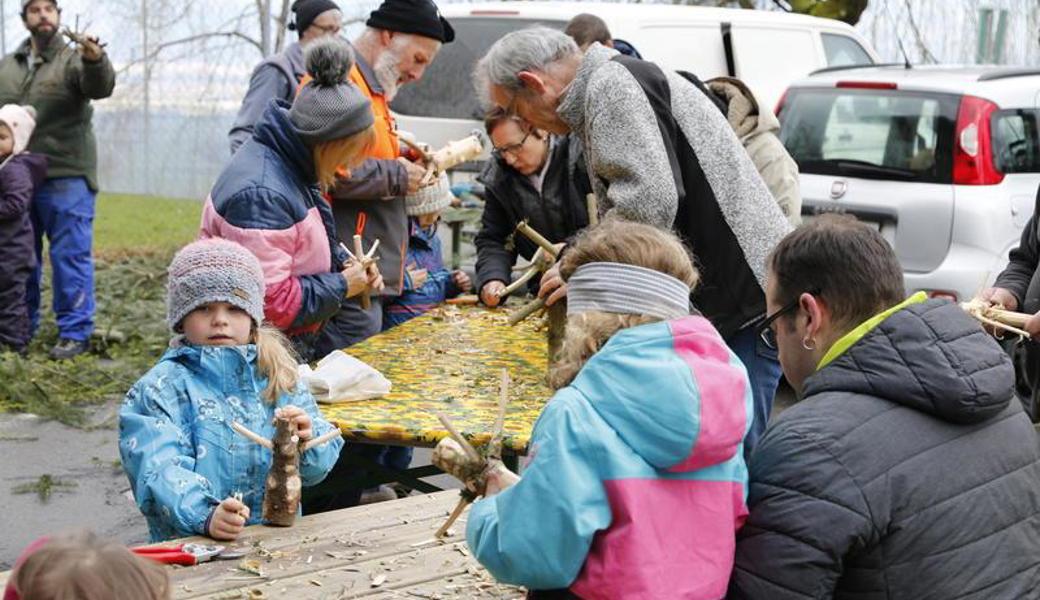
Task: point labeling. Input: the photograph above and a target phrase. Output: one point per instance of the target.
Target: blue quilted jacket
(177, 445)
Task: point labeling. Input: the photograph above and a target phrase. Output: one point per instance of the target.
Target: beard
(388, 73)
(44, 30)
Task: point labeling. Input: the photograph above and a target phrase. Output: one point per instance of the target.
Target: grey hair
(530, 49)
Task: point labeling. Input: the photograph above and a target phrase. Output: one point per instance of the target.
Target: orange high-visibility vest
(386, 145)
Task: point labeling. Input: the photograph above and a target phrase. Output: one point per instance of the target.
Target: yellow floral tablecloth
(449, 360)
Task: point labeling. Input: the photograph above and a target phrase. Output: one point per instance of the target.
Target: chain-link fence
(184, 65)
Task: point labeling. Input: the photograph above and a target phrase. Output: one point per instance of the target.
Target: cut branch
(470, 451)
(321, 439)
(253, 437)
(526, 311)
(537, 238)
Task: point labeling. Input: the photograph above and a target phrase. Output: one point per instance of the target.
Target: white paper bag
(343, 378)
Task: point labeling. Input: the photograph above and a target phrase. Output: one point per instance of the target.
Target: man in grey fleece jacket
(658, 151)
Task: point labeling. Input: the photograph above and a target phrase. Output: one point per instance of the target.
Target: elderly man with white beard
(401, 39)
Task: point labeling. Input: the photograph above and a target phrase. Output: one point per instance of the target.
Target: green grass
(132, 224)
(135, 237)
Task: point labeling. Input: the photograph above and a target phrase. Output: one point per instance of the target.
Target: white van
(766, 49)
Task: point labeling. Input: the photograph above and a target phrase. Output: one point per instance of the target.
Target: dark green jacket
(60, 89)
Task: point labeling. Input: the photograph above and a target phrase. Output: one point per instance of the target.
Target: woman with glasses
(907, 469)
(532, 176)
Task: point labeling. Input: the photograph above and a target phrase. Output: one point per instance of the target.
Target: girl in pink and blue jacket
(636, 483)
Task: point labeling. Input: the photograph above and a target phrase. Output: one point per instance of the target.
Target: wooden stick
(520, 282)
(321, 439)
(347, 250)
(455, 514)
(537, 238)
(253, 437)
(417, 147)
(526, 311)
(359, 251)
(372, 251)
(470, 451)
(495, 445)
(592, 206)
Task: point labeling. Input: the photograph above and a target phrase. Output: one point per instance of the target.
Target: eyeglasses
(511, 149)
(765, 329)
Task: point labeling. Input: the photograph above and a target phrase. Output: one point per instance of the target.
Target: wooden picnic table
(450, 361)
(378, 551)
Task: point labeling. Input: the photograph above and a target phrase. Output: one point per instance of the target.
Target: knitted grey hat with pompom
(214, 270)
(329, 107)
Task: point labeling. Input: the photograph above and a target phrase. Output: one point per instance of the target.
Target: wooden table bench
(380, 551)
(449, 361)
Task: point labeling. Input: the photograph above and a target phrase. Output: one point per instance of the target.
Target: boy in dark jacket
(21, 173)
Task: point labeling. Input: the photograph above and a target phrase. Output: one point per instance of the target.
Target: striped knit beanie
(329, 107)
(432, 198)
(214, 270)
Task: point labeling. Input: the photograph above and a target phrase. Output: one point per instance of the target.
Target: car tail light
(780, 103)
(972, 149)
(867, 85)
(942, 294)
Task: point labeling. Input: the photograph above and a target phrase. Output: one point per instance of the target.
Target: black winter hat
(421, 17)
(308, 10)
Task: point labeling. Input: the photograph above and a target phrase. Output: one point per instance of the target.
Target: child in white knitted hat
(427, 281)
(21, 173)
(191, 474)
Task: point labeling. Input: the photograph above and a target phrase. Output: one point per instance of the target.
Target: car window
(1016, 141)
(446, 89)
(877, 134)
(843, 51)
(661, 44)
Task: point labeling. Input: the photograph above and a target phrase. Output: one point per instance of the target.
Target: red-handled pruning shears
(187, 554)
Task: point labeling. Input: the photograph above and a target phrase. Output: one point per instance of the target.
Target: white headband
(626, 289)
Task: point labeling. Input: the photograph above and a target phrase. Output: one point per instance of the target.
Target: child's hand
(498, 478)
(229, 519)
(462, 280)
(304, 427)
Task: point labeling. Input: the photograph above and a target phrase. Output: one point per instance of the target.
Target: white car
(944, 161)
(766, 49)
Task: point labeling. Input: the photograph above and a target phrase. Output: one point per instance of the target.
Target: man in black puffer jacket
(906, 470)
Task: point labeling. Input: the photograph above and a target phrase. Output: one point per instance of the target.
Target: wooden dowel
(253, 437)
(321, 439)
(372, 251)
(526, 311)
(537, 238)
(359, 251)
(347, 250)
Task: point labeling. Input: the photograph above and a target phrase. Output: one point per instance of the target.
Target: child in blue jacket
(427, 283)
(189, 471)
